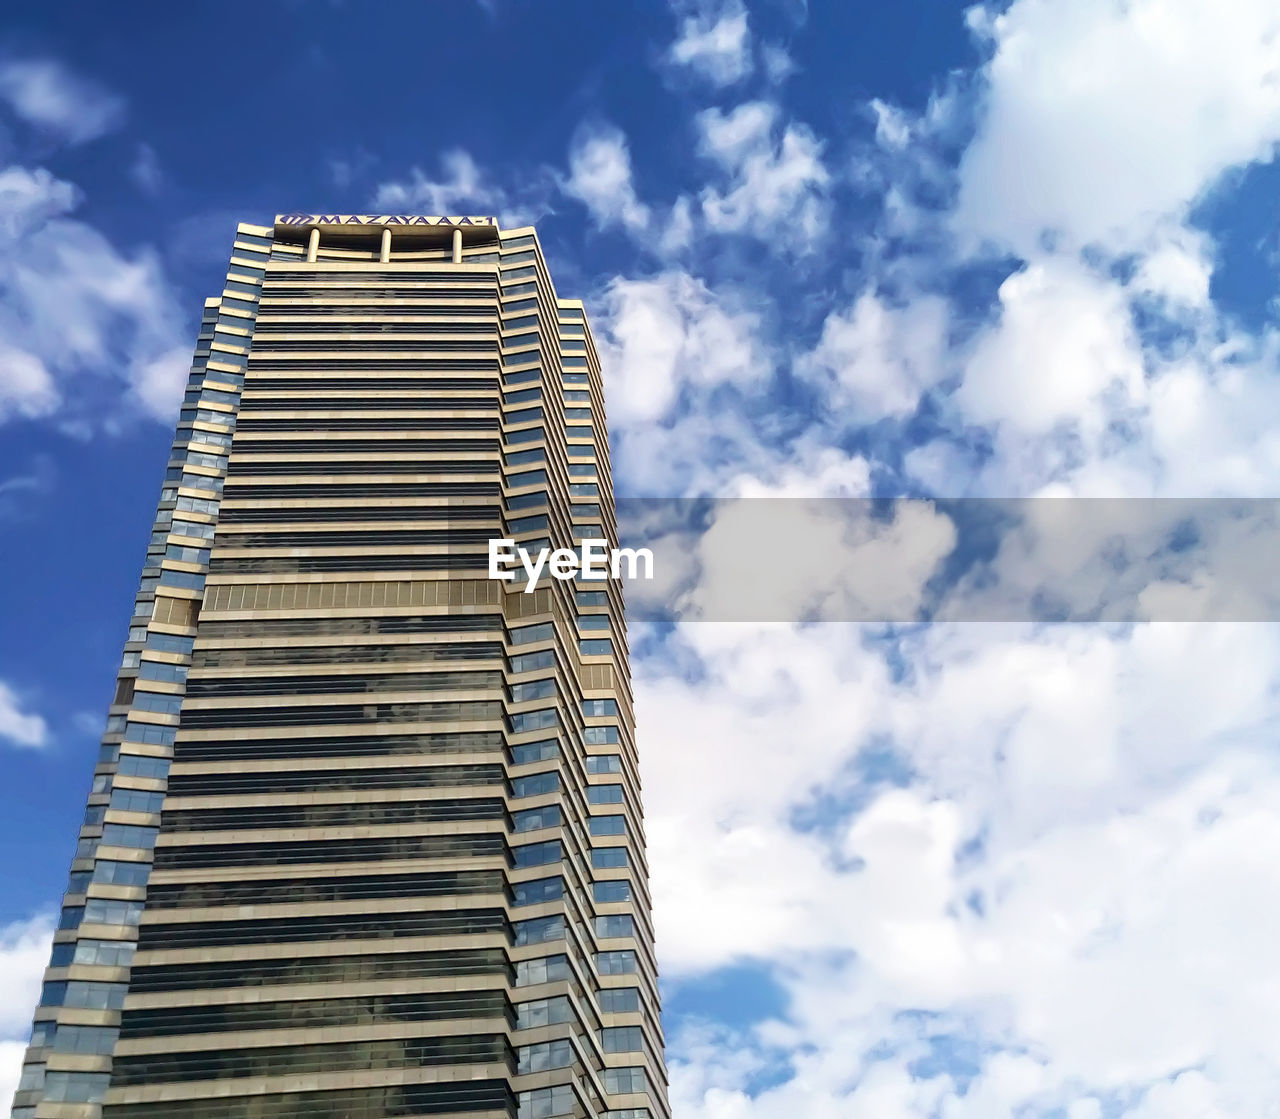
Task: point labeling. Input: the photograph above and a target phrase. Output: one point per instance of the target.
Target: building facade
(364, 837)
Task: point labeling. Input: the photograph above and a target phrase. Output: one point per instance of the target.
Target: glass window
(188, 580)
(43, 1033)
(615, 890)
(137, 765)
(609, 858)
(76, 1087)
(526, 635)
(158, 702)
(604, 794)
(599, 708)
(531, 752)
(113, 873)
(539, 929)
(616, 963)
(623, 1081)
(615, 924)
(539, 1103)
(185, 554)
(527, 501)
(599, 736)
(527, 662)
(608, 825)
(108, 911)
(622, 1039)
(520, 378)
(104, 953)
(136, 800)
(534, 689)
(596, 647)
(543, 1012)
(150, 734)
(158, 670)
(529, 478)
(94, 996)
(539, 890)
(546, 1055)
(532, 819)
(86, 1039)
(169, 643)
(537, 854)
(604, 763)
(534, 720)
(129, 835)
(536, 784)
(79, 881)
(548, 969)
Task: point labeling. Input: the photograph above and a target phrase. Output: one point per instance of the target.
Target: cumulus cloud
(1104, 117)
(463, 187)
(600, 178)
(874, 360)
(18, 727)
(671, 332)
(776, 179)
(145, 170)
(67, 107)
(75, 311)
(1004, 870)
(1056, 846)
(24, 952)
(714, 43)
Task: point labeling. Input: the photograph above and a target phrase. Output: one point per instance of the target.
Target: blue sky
(1020, 250)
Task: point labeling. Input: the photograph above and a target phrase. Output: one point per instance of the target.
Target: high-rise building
(364, 837)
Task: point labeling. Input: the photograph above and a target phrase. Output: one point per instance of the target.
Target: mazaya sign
(381, 219)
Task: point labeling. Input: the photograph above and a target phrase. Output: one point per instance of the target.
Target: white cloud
(715, 43)
(145, 170)
(777, 63)
(18, 727)
(24, 953)
(82, 322)
(776, 179)
(1064, 351)
(1105, 117)
(49, 97)
(874, 360)
(462, 188)
(670, 332)
(27, 387)
(600, 178)
(1108, 932)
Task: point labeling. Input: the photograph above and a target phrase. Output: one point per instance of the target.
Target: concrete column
(457, 246)
(313, 246)
(385, 254)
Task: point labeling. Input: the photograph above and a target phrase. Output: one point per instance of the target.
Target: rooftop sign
(380, 219)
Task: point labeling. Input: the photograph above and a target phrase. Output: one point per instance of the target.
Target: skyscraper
(364, 837)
